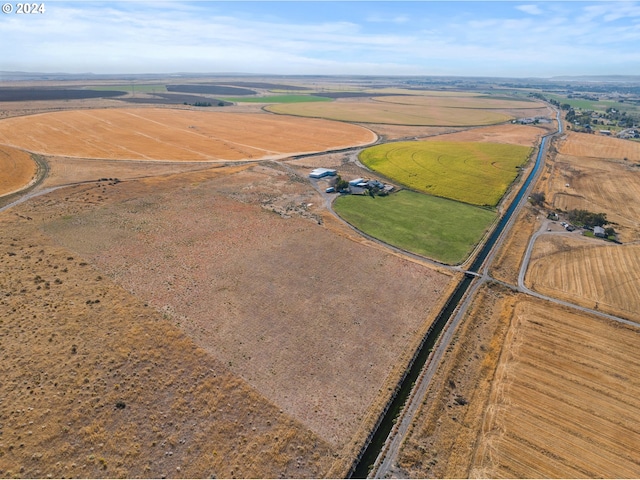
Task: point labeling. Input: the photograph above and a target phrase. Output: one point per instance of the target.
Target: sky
(477, 38)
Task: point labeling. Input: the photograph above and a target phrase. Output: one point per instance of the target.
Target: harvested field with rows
(598, 146)
(371, 111)
(253, 279)
(168, 134)
(565, 401)
(599, 184)
(587, 272)
(17, 169)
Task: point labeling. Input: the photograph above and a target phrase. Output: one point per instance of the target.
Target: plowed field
(168, 134)
(588, 272)
(566, 399)
(17, 168)
(587, 145)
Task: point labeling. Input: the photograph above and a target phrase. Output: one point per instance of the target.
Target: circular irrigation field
(477, 173)
(176, 134)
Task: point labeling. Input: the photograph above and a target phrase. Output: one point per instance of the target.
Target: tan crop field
(372, 111)
(610, 184)
(17, 169)
(175, 134)
(515, 134)
(599, 146)
(466, 102)
(565, 402)
(588, 272)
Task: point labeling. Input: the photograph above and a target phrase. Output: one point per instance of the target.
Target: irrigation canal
(378, 437)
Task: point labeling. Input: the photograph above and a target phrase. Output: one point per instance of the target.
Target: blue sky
(478, 38)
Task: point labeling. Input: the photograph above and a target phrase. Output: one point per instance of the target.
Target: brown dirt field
(566, 399)
(600, 146)
(588, 272)
(175, 134)
(508, 260)
(74, 345)
(511, 133)
(253, 279)
(17, 169)
(398, 132)
(63, 171)
(371, 111)
(442, 440)
(611, 186)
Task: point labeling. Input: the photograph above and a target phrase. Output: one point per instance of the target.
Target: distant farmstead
(323, 172)
(599, 232)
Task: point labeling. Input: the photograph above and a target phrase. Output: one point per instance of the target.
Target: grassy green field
(471, 172)
(279, 99)
(441, 229)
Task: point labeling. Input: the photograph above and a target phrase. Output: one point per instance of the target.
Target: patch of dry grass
(97, 384)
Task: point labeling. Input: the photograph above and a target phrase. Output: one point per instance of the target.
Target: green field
(279, 99)
(441, 229)
(471, 172)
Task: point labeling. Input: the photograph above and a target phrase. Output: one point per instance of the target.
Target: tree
(538, 198)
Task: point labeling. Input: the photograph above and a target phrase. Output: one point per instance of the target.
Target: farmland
(465, 102)
(593, 274)
(475, 173)
(438, 228)
(166, 134)
(280, 99)
(564, 403)
(599, 179)
(371, 111)
(17, 167)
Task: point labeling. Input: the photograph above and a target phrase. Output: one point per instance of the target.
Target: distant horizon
(494, 39)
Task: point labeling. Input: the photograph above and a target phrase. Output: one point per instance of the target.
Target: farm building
(598, 232)
(323, 172)
(355, 181)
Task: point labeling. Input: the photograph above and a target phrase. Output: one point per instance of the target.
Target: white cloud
(530, 9)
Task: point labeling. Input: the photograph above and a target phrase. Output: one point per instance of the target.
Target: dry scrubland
(566, 399)
(174, 134)
(599, 178)
(64, 170)
(97, 384)
(293, 386)
(17, 169)
(587, 272)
